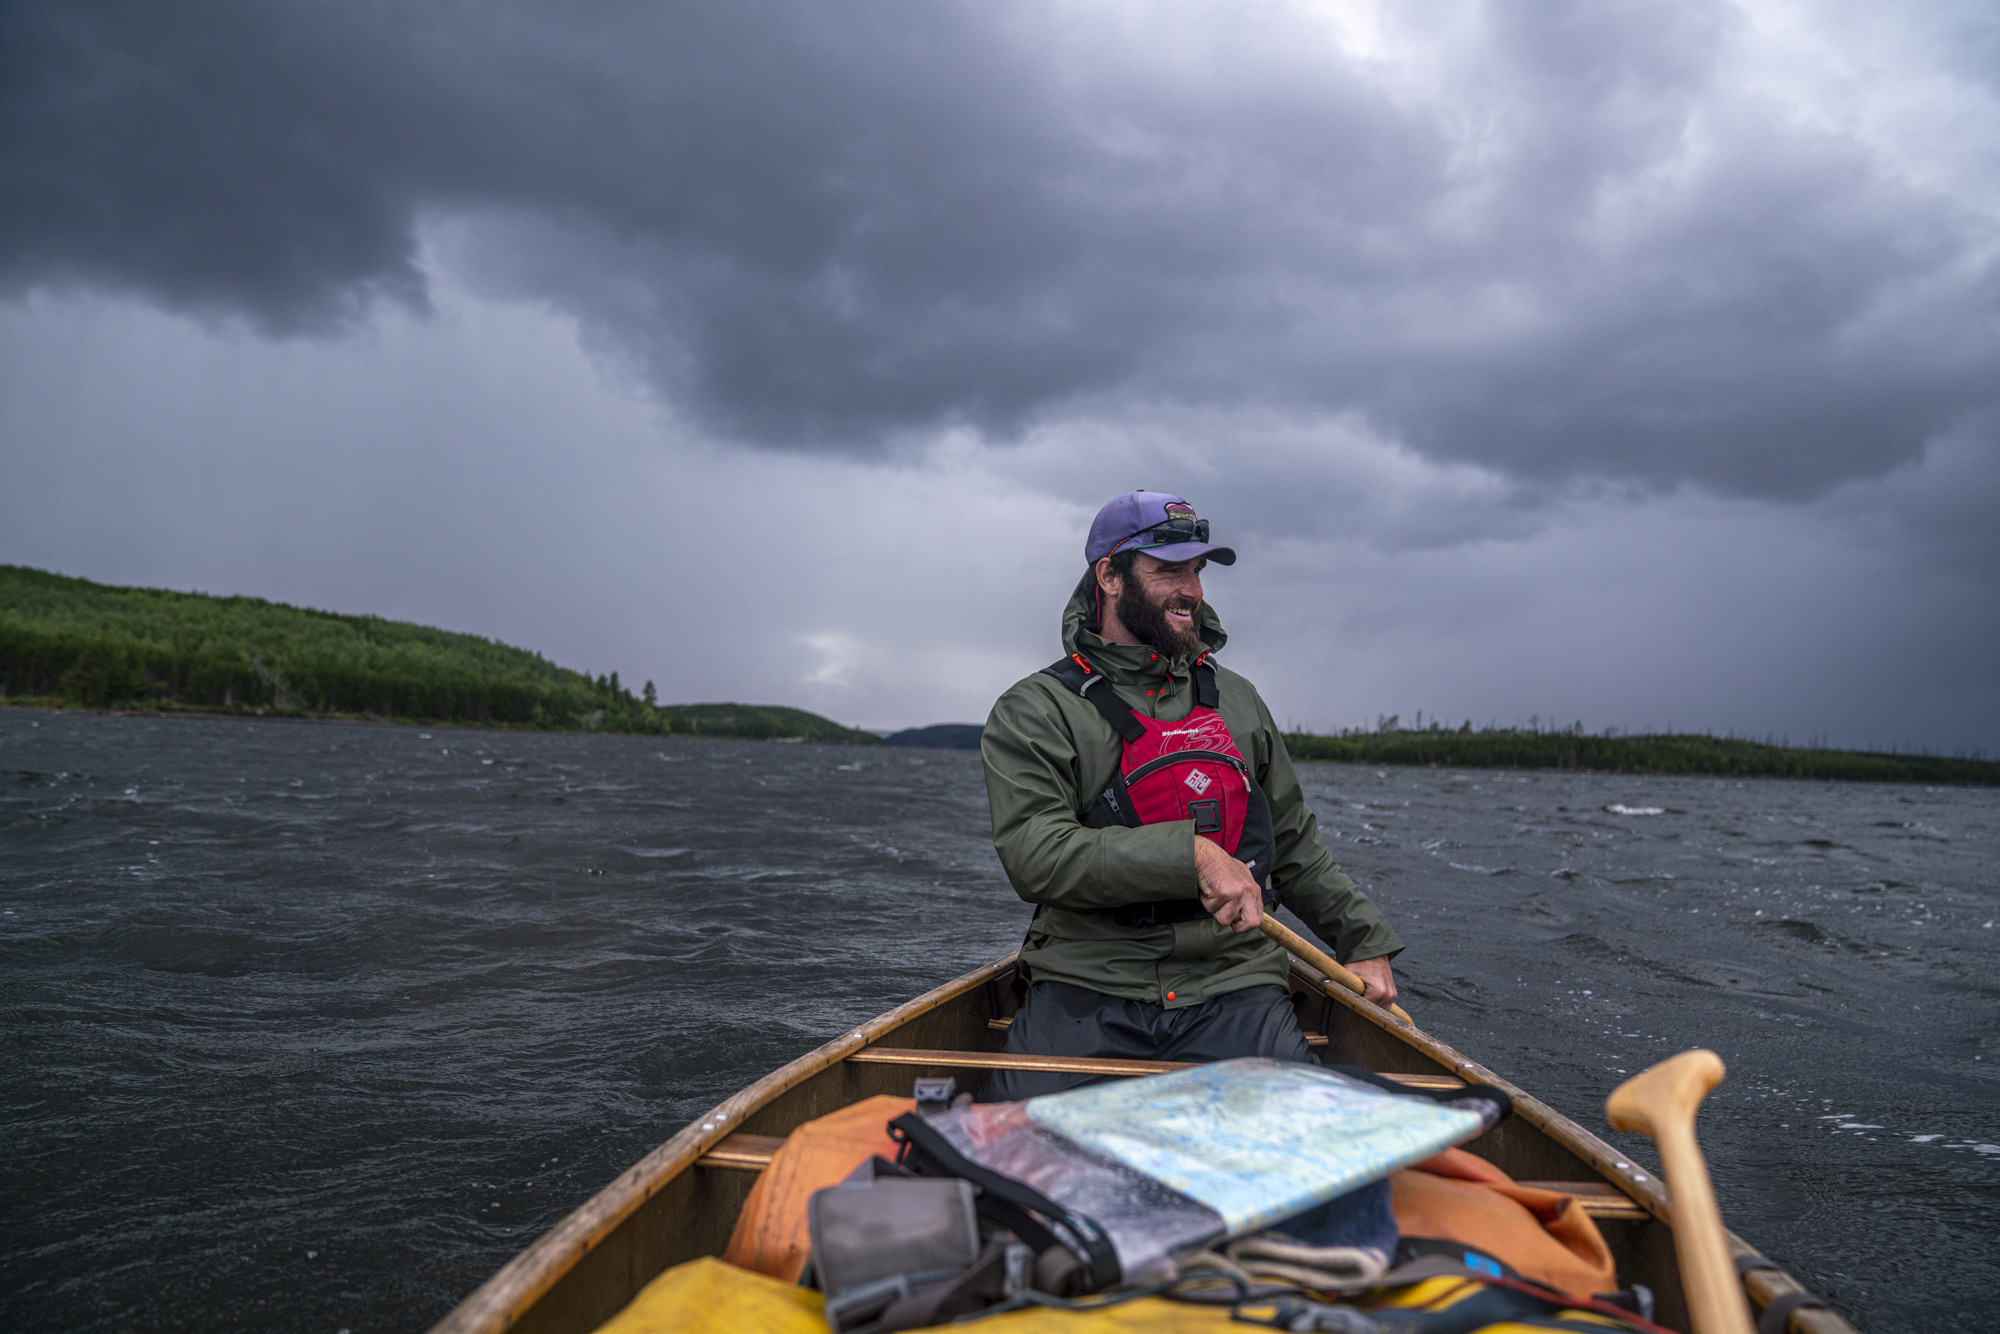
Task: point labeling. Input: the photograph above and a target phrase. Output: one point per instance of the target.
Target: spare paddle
(1661, 1102)
(1326, 963)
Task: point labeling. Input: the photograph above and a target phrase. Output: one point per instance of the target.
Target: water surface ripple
(310, 1028)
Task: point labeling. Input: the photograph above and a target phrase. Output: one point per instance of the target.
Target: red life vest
(1185, 770)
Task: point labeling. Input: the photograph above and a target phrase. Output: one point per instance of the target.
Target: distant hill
(71, 642)
(768, 722)
(939, 736)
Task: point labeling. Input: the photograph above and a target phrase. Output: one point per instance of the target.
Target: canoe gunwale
(497, 1304)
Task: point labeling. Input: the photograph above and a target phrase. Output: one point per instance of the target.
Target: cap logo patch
(1198, 780)
(1179, 510)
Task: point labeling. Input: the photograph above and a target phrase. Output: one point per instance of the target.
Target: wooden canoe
(681, 1200)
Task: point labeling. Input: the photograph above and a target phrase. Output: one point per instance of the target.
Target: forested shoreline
(1673, 753)
(71, 643)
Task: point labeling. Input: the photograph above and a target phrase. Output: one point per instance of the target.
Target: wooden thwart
(1600, 1199)
(753, 1153)
(997, 1060)
(748, 1153)
(1069, 1065)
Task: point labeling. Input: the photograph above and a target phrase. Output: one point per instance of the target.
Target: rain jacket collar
(1130, 664)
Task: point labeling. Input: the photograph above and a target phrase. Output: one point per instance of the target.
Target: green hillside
(1672, 754)
(768, 722)
(71, 642)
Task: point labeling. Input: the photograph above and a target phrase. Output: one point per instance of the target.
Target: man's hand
(1375, 976)
(1229, 892)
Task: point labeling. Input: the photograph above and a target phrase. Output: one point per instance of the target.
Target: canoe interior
(673, 1207)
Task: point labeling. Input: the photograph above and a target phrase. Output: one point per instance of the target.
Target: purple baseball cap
(1156, 523)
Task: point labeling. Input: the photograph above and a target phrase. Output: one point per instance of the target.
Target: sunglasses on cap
(1169, 532)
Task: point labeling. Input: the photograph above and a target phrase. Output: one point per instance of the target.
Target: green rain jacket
(1048, 753)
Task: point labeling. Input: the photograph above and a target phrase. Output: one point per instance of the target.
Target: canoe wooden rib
(681, 1200)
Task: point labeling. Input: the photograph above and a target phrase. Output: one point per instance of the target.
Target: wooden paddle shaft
(1661, 1102)
(1328, 966)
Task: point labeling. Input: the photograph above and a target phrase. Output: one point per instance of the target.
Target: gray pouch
(873, 1241)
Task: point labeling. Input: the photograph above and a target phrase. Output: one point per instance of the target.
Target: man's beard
(1148, 623)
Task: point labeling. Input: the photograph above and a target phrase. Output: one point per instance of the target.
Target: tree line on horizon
(69, 642)
(1571, 747)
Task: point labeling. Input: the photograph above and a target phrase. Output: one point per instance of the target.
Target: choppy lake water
(310, 1028)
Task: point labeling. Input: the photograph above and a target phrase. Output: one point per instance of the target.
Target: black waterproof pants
(1063, 1020)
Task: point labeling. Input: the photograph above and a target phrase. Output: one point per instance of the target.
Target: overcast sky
(1636, 363)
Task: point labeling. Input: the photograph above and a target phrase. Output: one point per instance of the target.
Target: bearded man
(1143, 801)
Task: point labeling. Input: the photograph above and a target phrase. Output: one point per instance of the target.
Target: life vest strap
(1076, 672)
(1205, 693)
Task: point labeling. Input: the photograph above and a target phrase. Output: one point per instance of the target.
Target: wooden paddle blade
(1665, 1094)
(1661, 1102)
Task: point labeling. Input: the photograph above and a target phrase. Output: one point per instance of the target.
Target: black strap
(926, 1150)
(1157, 912)
(1778, 1315)
(1093, 687)
(1205, 693)
(973, 1289)
(1482, 1092)
(1114, 710)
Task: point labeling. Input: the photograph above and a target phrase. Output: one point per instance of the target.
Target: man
(1148, 872)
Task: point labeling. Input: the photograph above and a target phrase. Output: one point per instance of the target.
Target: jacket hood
(1077, 637)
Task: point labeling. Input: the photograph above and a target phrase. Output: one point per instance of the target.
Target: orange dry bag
(771, 1235)
(1542, 1235)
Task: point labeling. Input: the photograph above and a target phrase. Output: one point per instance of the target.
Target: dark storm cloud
(1591, 255)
